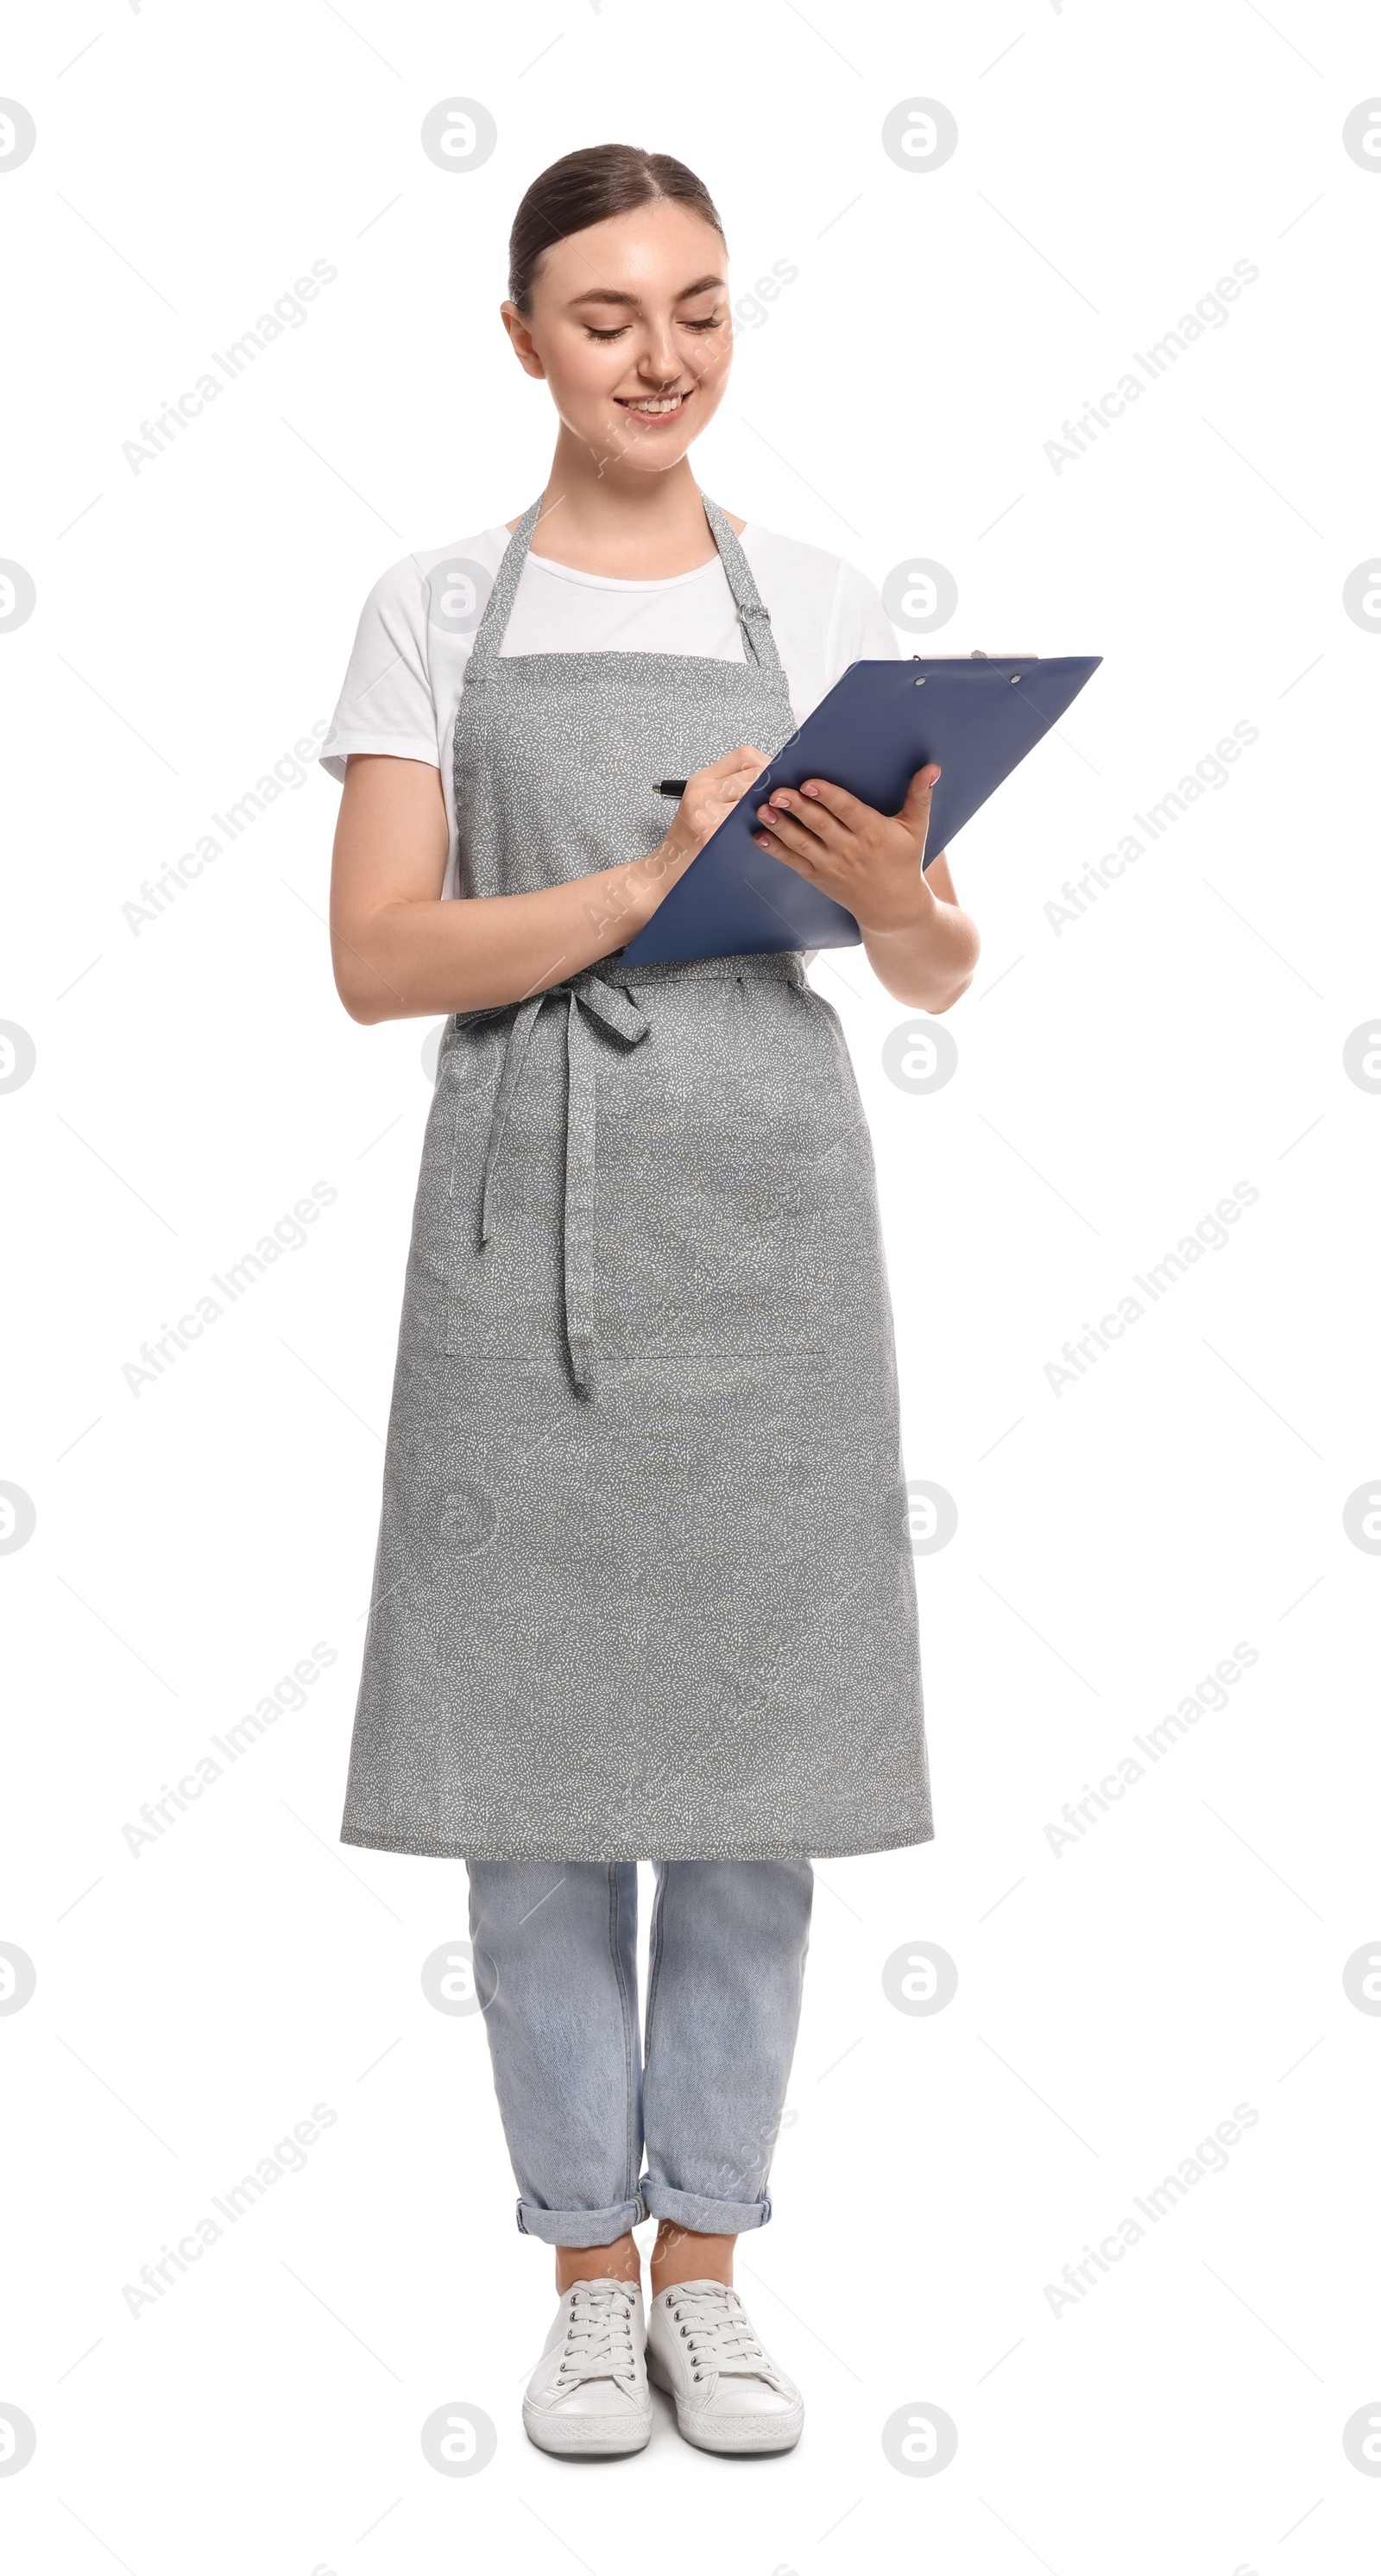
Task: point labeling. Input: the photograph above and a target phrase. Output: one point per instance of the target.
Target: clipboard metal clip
(976, 656)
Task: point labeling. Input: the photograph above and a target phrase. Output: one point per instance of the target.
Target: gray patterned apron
(644, 1584)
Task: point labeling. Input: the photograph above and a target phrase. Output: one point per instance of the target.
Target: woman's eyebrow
(610, 295)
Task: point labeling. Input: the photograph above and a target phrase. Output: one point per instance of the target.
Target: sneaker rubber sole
(586, 2437)
(735, 2436)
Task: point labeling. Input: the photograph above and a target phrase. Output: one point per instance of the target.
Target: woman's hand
(869, 862)
(710, 795)
(921, 947)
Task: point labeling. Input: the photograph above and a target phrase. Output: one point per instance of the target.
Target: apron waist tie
(586, 993)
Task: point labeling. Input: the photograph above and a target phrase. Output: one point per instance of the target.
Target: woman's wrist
(622, 899)
(926, 962)
(907, 914)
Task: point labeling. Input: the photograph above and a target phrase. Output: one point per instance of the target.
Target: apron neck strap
(754, 619)
(490, 632)
(759, 645)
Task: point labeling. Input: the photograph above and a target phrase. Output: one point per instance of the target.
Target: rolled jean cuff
(705, 2217)
(581, 2226)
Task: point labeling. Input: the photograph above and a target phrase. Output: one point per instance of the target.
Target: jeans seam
(632, 2146)
(654, 1961)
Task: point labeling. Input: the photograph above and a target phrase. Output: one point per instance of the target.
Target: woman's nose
(661, 359)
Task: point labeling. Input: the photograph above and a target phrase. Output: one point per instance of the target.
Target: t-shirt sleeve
(860, 629)
(386, 704)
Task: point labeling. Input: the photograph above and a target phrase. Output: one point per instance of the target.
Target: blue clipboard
(881, 723)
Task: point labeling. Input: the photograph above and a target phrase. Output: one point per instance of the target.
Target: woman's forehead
(660, 248)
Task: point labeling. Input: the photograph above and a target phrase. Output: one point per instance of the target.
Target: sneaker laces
(599, 2335)
(716, 2327)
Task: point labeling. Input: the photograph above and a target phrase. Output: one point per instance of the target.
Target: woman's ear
(521, 338)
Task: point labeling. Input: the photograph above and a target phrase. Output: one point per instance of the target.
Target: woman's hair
(584, 188)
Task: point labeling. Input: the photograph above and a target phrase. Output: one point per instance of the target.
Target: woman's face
(630, 327)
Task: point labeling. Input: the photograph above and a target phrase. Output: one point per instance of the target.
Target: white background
(1114, 1541)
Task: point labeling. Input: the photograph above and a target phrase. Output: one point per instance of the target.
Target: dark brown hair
(584, 188)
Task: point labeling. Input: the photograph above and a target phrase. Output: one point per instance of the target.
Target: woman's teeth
(653, 404)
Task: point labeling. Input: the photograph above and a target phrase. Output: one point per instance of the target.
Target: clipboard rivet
(918, 684)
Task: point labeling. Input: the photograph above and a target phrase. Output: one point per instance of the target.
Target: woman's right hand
(711, 794)
(708, 795)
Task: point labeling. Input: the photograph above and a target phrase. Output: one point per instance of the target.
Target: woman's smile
(654, 407)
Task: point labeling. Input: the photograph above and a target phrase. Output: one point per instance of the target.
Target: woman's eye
(619, 331)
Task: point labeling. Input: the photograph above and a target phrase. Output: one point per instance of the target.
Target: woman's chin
(655, 460)
(632, 455)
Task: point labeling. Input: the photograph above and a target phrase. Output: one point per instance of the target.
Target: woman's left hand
(869, 862)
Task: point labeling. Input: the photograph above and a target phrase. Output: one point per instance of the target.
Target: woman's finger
(783, 827)
(712, 792)
(915, 811)
(812, 818)
(846, 809)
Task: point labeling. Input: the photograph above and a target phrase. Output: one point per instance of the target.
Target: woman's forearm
(414, 956)
(400, 951)
(926, 962)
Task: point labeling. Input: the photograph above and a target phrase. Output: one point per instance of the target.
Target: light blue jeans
(555, 1955)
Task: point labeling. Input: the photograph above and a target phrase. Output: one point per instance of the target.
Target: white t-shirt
(416, 634)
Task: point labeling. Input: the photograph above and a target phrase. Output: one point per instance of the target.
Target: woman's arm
(920, 945)
(399, 951)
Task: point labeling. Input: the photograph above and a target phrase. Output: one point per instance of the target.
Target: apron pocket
(738, 1214)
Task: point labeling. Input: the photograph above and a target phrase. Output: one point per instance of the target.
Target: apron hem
(381, 1838)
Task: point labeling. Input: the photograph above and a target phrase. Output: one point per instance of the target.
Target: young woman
(644, 1586)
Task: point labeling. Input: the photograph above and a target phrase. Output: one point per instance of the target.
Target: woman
(644, 1585)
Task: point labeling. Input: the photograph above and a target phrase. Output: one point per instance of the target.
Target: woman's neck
(614, 520)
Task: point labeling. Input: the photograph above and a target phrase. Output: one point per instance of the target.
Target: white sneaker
(587, 2397)
(729, 2393)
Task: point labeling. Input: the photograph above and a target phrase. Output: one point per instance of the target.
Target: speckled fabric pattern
(644, 1585)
